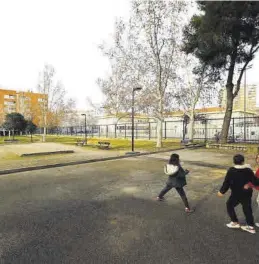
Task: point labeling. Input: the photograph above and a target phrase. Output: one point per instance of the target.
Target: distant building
(209, 123)
(26, 103)
(239, 100)
(76, 118)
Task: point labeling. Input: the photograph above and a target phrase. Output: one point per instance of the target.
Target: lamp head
(137, 88)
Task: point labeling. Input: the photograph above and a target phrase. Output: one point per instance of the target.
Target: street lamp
(85, 128)
(132, 119)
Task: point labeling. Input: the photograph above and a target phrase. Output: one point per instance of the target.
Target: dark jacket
(177, 176)
(235, 180)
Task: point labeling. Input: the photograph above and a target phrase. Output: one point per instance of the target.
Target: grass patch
(125, 144)
(251, 148)
(63, 139)
(21, 139)
(116, 143)
(10, 156)
(92, 143)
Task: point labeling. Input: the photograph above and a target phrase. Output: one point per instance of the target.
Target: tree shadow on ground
(123, 230)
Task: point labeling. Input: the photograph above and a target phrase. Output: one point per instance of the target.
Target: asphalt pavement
(106, 213)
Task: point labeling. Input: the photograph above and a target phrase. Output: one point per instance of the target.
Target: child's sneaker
(188, 210)
(257, 224)
(233, 225)
(249, 229)
(160, 199)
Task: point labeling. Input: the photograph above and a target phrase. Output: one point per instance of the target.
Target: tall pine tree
(224, 36)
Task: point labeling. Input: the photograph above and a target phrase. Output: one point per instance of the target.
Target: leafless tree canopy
(145, 52)
(54, 107)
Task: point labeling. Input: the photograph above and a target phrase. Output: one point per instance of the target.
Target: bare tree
(146, 50)
(117, 97)
(54, 106)
(195, 87)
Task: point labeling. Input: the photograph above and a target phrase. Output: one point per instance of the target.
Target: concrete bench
(81, 142)
(104, 144)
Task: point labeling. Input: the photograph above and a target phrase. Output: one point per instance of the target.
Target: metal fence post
(115, 131)
(149, 131)
(233, 130)
(165, 129)
(125, 127)
(205, 130)
(107, 131)
(183, 131)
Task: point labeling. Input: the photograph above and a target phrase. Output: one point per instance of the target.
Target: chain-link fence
(240, 130)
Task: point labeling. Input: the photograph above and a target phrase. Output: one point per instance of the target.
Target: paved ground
(105, 213)
(10, 160)
(38, 147)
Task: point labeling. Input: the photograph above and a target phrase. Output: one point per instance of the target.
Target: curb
(42, 167)
(48, 153)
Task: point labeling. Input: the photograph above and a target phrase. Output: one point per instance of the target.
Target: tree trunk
(44, 128)
(191, 125)
(44, 134)
(31, 137)
(160, 124)
(159, 133)
(230, 98)
(227, 117)
(13, 134)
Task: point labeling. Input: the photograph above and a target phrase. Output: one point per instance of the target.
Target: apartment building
(246, 99)
(26, 103)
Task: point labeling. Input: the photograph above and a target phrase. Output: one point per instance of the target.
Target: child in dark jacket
(237, 177)
(176, 179)
(256, 187)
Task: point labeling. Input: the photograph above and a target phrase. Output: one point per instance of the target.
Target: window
(9, 96)
(9, 102)
(25, 98)
(41, 100)
(9, 109)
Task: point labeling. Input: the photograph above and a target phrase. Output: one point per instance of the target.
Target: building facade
(29, 104)
(208, 124)
(244, 99)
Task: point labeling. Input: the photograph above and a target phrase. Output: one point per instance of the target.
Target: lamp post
(85, 127)
(132, 119)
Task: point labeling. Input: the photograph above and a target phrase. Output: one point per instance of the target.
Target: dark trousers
(180, 190)
(246, 202)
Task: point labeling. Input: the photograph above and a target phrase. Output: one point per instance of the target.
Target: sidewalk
(11, 159)
(55, 159)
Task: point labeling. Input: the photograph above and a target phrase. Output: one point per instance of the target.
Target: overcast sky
(64, 33)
